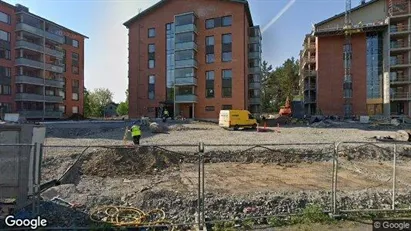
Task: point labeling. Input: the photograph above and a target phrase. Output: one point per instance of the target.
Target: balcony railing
(254, 55)
(309, 87)
(254, 70)
(310, 73)
(254, 85)
(31, 114)
(254, 40)
(185, 81)
(254, 100)
(39, 65)
(394, 29)
(400, 96)
(398, 45)
(38, 98)
(39, 81)
(399, 62)
(185, 46)
(191, 98)
(186, 63)
(39, 48)
(39, 32)
(186, 28)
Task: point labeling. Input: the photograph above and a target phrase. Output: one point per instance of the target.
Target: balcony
(254, 70)
(254, 55)
(35, 47)
(254, 40)
(185, 81)
(186, 63)
(39, 32)
(39, 81)
(400, 96)
(186, 28)
(399, 29)
(33, 114)
(38, 65)
(254, 85)
(186, 98)
(399, 63)
(254, 100)
(185, 46)
(38, 98)
(310, 73)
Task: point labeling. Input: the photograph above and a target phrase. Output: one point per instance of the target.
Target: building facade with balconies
(39, 77)
(378, 81)
(308, 75)
(183, 57)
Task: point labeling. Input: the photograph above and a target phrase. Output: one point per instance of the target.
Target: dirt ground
(110, 176)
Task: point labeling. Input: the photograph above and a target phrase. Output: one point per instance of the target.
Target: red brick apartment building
(41, 65)
(194, 58)
(379, 78)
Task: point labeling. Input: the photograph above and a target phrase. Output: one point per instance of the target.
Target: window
(210, 41)
(210, 23)
(5, 18)
(151, 86)
(74, 109)
(209, 108)
(185, 37)
(210, 84)
(5, 72)
(227, 39)
(151, 63)
(184, 19)
(151, 32)
(75, 43)
(226, 107)
(62, 108)
(184, 72)
(184, 55)
(226, 57)
(227, 92)
(226, 21)
(227, 74)
(5, 107)
(75, 59)
(74, 96)
(210, 58)
(62, 93)
(151, 48)
(4, 35)
(5, 90)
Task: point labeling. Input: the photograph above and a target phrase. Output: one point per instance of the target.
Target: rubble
(158, 128)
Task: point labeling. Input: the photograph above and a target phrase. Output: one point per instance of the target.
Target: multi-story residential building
(308, 75)
(41, 65)
(379, 77)
(194, 58)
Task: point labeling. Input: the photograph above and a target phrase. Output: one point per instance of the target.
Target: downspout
(245, 59)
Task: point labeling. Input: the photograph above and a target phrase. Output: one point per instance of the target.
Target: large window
(226, 21)
(5, 89)
(184, 19)
(151, 86)
(210, 57)
(75, 63)
(226, 54)
(171, 72)
(227, 83)
(75, 43)
(5, 18)
(184, 72)
(75, 89)
(151, 56)
(185, 37)
(374, 65)
(184, 55)
(210, 84)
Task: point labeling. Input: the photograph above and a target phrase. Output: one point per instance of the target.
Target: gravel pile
(128, 162)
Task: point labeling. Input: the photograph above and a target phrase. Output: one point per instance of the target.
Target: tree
(122, 109)
(279, 84)
(95, 101)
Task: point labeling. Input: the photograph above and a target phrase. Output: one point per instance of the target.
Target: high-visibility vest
(165, 112)
(135, 130)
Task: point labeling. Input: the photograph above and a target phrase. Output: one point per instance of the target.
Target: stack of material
(157, 128)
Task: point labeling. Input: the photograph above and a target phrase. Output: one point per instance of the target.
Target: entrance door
(191, 111)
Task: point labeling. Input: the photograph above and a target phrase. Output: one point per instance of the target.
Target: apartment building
(194, 58)
(308, 75)
(41, 65)
(378, 60)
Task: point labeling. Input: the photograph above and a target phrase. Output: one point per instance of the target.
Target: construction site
(349, 154)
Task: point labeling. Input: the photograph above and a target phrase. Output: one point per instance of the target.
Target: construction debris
(158, 128)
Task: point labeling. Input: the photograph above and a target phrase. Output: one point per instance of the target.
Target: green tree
(122, 109)
(95, 101)
(266, 71)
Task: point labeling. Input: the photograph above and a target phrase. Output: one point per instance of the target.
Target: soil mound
(129, 161)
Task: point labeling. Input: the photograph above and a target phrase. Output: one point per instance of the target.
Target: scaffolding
(398, 7)
(347, 83)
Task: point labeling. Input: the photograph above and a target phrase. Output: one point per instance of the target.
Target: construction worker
(135, 133)
(165, 115)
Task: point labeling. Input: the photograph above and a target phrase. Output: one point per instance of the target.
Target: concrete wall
(372, 13)
(138, 56)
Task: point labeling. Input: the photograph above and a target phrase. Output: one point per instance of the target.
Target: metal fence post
(394, 176)
(203, 180)
(200, 184)
(335, 177)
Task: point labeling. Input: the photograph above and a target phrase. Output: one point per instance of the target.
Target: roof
(343, 13)
(41, 18)
(162, 2)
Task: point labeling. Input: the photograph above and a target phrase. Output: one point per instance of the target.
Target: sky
(106, 50)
